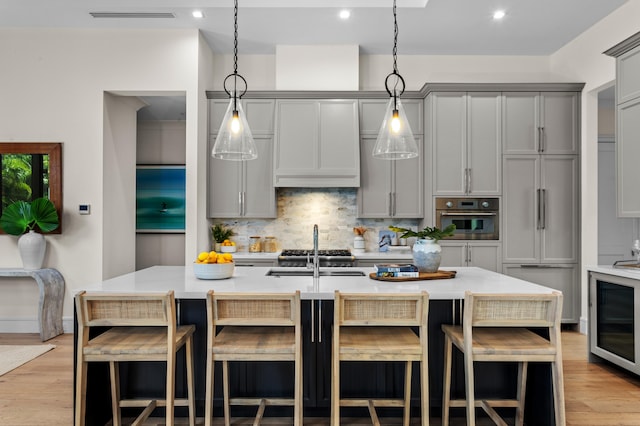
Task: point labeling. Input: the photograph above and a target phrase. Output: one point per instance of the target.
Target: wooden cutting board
(439, 275)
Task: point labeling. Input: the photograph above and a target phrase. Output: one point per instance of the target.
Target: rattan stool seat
(142, 328)
(374, 327)
(255, 327)
(496, 328)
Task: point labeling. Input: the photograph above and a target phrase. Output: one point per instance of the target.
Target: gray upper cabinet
(540, 122)
(390, 188)
(372, 112)
(316, 143)
(540, 209)
(627, 54)
(259, 115)
(243, 188)
(466, 144)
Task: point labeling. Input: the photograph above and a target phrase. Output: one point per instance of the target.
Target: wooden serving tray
(439, 275)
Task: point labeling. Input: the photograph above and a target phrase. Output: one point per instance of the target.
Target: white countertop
(253, 279)
(633, 273)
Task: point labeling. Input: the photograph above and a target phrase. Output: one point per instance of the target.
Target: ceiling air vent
(139, 15)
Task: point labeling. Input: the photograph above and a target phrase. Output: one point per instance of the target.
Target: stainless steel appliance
(327, 258)
(475, 218)
(614, 320)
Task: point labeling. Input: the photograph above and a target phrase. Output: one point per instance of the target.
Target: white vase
(427, 254)
(358, 243)
(32, 247)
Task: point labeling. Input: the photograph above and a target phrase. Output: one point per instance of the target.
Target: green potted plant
(22, 216)
(427, 253)
(219, 232)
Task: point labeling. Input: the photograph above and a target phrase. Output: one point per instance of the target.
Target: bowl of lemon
(213, 266)
(228, 246)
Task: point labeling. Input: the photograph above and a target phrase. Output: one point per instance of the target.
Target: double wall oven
(475, 218)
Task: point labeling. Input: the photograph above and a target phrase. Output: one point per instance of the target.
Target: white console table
(51, 285)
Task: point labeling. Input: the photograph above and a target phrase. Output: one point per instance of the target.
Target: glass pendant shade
(234, 141)
(395, 139)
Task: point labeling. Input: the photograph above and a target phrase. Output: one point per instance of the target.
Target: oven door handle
(468, 214)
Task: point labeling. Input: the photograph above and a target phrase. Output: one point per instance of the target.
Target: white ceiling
(434, 27)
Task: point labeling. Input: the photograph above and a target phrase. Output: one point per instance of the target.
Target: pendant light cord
(395, 39)
(235, 54)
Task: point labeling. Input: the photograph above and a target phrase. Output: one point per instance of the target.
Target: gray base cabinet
(486, 255)
(562, 277)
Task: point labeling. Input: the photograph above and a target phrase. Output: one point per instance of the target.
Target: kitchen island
(382, 379)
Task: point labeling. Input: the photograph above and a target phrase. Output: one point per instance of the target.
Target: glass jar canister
(270, 245)
(255, 245)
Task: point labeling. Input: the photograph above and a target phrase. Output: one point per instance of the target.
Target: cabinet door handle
(468, 181)
(319, 321)
(544, 209)
(541, 139)
(538, 208)
(394, 204)
(244, 203)
(313, 322)
(390, 204)
(240, 202)
(468, 255)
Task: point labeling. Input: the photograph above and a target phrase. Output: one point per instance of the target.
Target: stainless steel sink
(286, 272)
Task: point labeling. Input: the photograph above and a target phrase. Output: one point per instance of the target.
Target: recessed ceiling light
(498, 14)
(197, 14)
(344, 14)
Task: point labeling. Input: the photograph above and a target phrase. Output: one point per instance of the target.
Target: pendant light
(235, 141)
(395, 139)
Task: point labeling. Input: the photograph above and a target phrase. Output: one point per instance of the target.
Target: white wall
(582, 60)
(53, 84)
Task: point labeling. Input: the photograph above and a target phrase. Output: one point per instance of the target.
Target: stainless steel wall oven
(475, 218)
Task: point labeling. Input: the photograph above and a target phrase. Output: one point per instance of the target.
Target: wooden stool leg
(446, 386)
(114, 371)
(225, 388)
(424, 388)
(81, 391)
(171, 388)
(208, 399)
(297, 398)
(190, 384)
(406, 415)
(335, 389)
(558, 390)
(522, 388)
(470, 388)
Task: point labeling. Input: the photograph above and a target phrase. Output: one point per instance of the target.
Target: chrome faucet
(316, 260)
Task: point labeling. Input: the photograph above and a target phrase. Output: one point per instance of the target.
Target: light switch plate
(84, 209)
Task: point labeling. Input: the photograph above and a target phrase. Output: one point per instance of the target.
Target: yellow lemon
(227, 256)
(213, 257)
(203, 255)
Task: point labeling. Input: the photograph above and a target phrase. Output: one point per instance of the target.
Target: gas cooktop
(324, 253)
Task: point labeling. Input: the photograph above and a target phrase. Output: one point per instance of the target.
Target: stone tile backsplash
(334, 210)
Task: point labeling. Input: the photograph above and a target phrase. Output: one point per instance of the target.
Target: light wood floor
(40, 392)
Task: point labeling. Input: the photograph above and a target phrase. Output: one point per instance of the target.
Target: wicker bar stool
(255, 327)
(377, 327)
(495, 328)
(143, 328)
